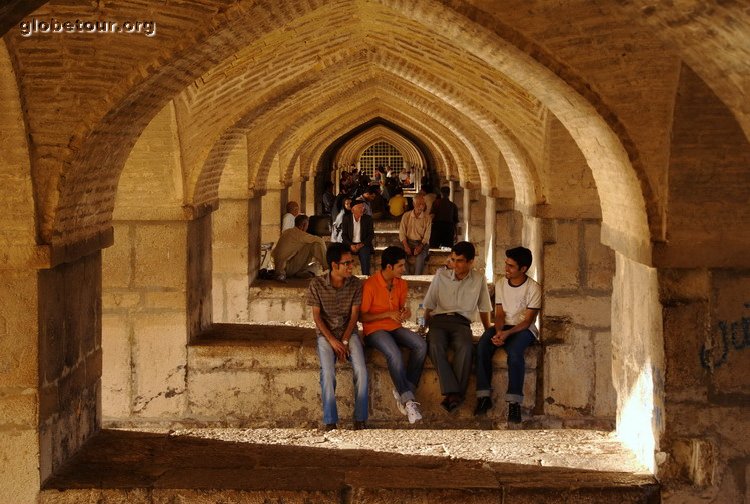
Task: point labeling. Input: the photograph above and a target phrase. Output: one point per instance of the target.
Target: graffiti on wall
(733, 337)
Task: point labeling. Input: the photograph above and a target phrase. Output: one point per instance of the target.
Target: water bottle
(420, 320)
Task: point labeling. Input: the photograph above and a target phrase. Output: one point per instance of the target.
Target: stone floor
(374, 465)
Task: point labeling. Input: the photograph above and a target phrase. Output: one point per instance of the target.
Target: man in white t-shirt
(518, 299)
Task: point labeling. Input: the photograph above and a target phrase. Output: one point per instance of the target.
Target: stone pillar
(157, 296)
(311, 202)
(22, 373)
(508, 231)
(466, 207)
(231, 260)
(489, 237)
(254, 239)
(274, 203)
(577, 320)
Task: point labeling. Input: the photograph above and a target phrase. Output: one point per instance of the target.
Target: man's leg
(485, 350)
(515, 346)
(417, 353)
(364, 259)
(438, 337)
(384, 342)
(319, 253)
(420, 260)
(299, 262)
(327, 381)
(463, 348)
(359, 368)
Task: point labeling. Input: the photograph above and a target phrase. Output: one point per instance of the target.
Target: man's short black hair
(300, 219)
(465, 249)
(521, 255)
(391, 256)
(334, 253)
(373, 189)
(445, 191)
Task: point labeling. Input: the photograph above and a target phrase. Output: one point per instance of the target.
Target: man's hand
(407, 249)
(339, 349)
(418, 249)
(405, 314)
(499, 338)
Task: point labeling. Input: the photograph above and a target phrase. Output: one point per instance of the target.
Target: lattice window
(381, 154)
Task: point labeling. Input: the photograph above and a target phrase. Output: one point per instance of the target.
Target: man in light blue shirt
(451, 301)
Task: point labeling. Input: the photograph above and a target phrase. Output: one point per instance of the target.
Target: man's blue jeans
(364, 255)
(328, 379)
(514, 346)
(404, 378)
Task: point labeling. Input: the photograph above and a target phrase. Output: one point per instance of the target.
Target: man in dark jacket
(357, 234)
(444, 219)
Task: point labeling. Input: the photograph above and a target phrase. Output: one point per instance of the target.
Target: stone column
(489, 237)
(312, 203)
(157, 296)
(466, 207)
(274, 207)
(231, 260)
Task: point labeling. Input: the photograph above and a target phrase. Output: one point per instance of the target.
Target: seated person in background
(328, 199)
(518, 299)
(414, 233)
(296, 250)
(382, 313)
(450, 303)
(397, 203)
(336, 227)
(292, 211)
(444, 220)
(357, 233)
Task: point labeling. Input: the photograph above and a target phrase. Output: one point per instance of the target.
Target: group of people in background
(339, 300)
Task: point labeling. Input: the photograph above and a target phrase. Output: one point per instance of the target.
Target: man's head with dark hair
(391, 256)
(521, 255)
(301, 221)
(445, 191)
(334, 253)
(464, 249)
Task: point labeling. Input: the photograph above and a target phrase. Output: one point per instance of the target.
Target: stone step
(268, 375)
(213, 466)
(386, 238)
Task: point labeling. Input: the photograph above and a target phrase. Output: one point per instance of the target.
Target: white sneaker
(397, 397)
(412, 411)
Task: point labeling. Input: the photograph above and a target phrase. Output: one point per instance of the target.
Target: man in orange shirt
(382, 311)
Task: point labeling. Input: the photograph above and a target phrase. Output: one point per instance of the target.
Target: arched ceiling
(475, 81)
(352, 150)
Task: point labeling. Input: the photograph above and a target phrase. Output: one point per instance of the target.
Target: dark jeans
(515, 346)
(454, 332)
(364, 255)
(442, 234)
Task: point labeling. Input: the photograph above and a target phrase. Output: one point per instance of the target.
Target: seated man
(292, 211)
(518, 300)
(414, 234)
(397, 204)
(450, 303)
(295, 251)
(357, 233)
(335, 299)
(382, 312)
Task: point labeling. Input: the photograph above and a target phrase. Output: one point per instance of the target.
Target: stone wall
(19, 388)
(145, 315)
(707, 336)
(230, 243)
(576, 323)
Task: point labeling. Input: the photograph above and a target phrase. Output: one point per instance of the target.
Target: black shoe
(359, 425)
(451, 402)
(514, 412)
(330, 427)
(483, 404)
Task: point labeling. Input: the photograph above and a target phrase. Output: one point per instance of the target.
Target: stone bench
(268, 376)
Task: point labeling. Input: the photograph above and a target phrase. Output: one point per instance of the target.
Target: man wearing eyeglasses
(335, 298)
